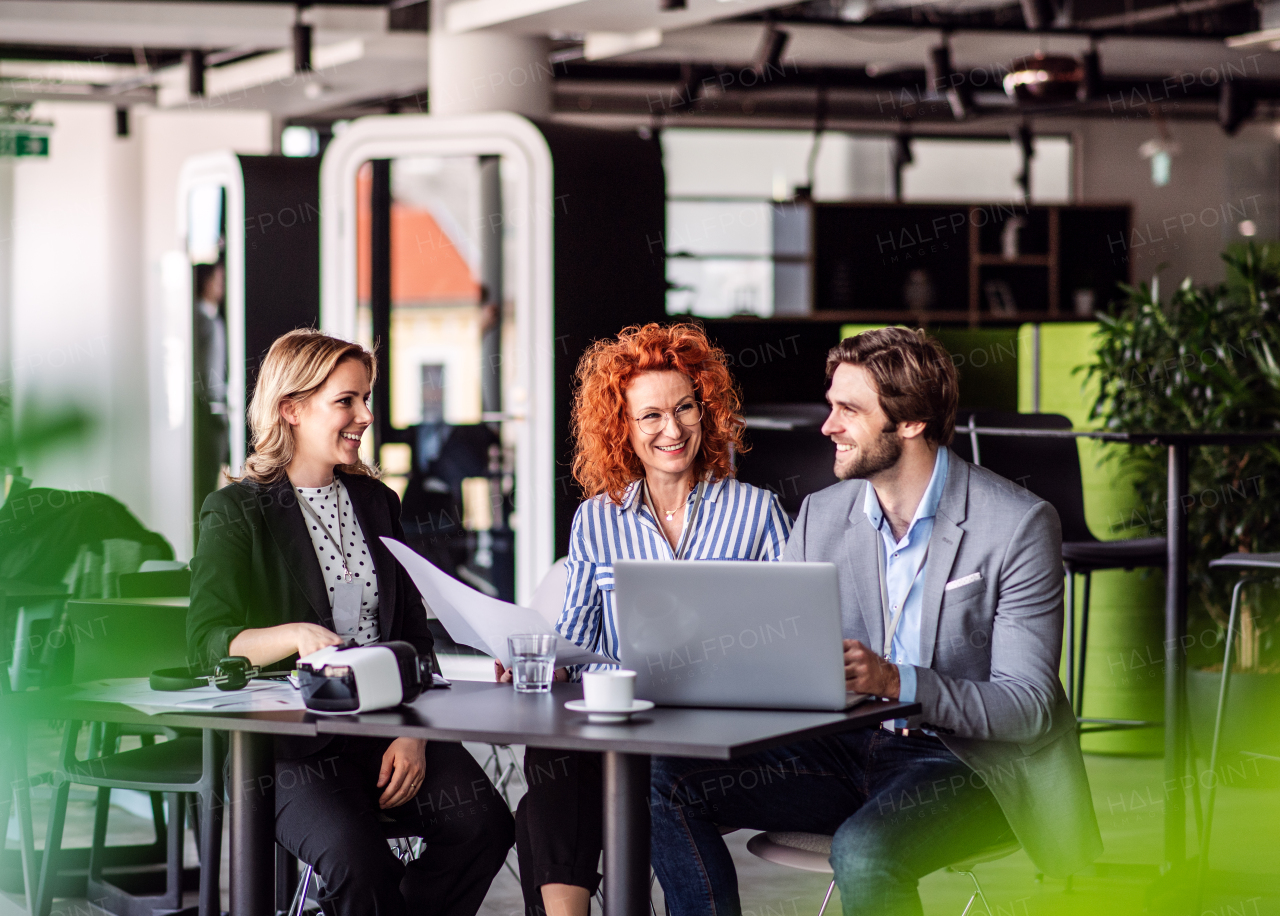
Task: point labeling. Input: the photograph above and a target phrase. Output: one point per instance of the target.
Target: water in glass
(533, 661)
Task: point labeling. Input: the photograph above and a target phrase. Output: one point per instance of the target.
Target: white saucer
(622, 715)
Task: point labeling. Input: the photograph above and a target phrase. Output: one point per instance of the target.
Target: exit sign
(24, 140)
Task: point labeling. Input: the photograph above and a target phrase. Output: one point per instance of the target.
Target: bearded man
(951, 596)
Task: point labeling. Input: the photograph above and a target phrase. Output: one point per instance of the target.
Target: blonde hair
(297, 366)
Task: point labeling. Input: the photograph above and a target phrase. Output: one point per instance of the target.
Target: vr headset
(362, 678)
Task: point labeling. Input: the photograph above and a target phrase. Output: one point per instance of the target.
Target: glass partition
(431, 238)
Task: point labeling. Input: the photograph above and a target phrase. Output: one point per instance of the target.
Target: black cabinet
(976, 263)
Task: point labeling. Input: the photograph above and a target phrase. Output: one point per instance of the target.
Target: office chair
(789, 454)
(405, 846)
(1252, 566)
(157, 583)
(1050, 468)
(106, 639)
(812, 852)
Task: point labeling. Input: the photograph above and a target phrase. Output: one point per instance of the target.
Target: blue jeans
(898, 807)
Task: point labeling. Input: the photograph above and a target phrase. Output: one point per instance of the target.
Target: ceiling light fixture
(1160, 150)
(301, 47)
(769, 55)
(194, 59)
(1027, 146)
(1235, 105)
(1043, 78)
(946, 82)
(1037, 14)
(902, 157)
(1090, 75)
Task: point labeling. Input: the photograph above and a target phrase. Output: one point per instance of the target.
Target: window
(978, 170)
(737, 243)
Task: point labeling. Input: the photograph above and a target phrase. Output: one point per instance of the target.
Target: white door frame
(527, 161)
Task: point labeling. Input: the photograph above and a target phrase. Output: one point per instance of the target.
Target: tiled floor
(1127, 796)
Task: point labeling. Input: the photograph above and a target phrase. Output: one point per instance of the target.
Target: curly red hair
(603, 460)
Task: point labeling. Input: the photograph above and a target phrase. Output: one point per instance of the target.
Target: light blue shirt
(904, 573)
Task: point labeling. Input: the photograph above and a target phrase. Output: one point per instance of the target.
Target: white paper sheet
(476, 620)
(258, 696)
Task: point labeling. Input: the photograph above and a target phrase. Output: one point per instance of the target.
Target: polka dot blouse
(327, 502)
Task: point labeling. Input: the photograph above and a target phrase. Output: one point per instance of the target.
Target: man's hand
(867, 672)
(403, 764)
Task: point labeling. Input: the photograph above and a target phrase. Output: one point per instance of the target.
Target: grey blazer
(988, 680)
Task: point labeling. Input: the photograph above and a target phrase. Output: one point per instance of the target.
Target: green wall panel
(986, 359)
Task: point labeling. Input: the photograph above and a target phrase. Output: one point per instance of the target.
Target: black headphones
(231, 673)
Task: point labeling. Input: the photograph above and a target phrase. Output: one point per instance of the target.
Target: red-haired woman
(656, 422)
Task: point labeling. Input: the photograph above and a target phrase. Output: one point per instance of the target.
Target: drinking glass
(533, 661)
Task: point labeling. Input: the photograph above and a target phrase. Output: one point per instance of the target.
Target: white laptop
(732, 633)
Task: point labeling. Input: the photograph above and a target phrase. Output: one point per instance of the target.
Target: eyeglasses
(655, 421)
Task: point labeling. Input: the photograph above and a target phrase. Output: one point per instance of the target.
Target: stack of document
(258, 696)
(476, 620)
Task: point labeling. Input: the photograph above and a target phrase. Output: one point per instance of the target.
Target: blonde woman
(289, 561)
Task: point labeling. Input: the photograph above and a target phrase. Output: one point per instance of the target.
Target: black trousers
(559, 822)
(327, 815)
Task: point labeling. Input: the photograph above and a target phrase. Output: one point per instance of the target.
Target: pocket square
(965, 580)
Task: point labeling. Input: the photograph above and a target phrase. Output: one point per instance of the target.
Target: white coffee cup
(609, 691)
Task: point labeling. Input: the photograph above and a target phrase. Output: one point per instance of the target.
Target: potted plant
(1208, 359)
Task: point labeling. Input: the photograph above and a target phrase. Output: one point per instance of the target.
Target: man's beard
(883, 454)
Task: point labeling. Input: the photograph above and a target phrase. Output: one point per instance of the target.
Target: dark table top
(15, 588)
(55, 703)
(175, 601)
(494, 713)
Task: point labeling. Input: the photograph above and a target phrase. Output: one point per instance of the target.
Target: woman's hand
(503, 675)
(311, 637)
(403, 766)
(267, 645)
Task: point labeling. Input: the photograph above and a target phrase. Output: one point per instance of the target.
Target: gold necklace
(669, 513)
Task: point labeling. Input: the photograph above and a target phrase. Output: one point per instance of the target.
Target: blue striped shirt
(736, 521)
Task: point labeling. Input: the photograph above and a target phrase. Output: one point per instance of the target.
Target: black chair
(182, 765)
(406, 846)
(1050, 468)
(131, 639)
(160, 583)
(788, 452)
(1261, 565)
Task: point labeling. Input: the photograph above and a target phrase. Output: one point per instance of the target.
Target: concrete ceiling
(118, 24)
(550, 17)
(362, 59)
(343, 73)
(813, 46)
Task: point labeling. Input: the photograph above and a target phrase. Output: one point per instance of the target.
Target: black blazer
(255, 567)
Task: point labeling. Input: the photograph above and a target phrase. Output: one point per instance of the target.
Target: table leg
(5, 686)
(626, 834)
(20, 797)
(1175, 627)
(253, 824)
